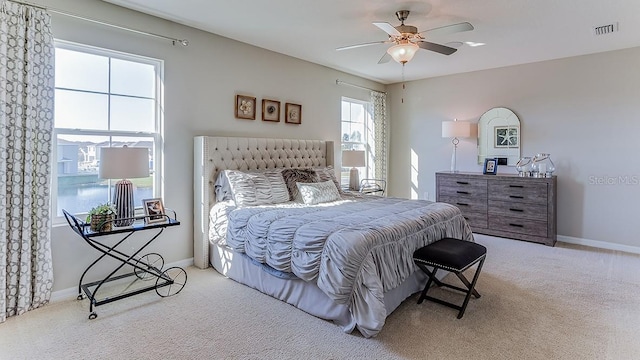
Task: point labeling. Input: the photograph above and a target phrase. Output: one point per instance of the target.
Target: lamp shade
(456, 129)
(123, 162)
(353, 158)
(403, 53)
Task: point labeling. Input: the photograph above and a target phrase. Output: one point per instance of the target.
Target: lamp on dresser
(355, 159)
(123, 163)
(455, 129)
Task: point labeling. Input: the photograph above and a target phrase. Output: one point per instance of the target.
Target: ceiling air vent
(605, 29)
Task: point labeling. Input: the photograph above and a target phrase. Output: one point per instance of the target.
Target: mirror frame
(495, 127)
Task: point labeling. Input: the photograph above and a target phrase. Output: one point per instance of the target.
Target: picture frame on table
(270, 110)
(153, 211)
(293, 113)
(245, 107)
(490, 166)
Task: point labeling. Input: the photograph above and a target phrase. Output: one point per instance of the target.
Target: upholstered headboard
(213, 154)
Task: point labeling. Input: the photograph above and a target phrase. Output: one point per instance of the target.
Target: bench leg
(432, 276)
(471, 288)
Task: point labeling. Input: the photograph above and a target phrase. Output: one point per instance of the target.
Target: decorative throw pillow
(316, 193)
(222, 188)
(326, 174)
(250, 189)
(298, 175)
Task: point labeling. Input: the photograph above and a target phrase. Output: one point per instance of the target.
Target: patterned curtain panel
(380, 149)
(26, 127)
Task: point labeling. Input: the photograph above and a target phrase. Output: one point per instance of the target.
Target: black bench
(455, 256)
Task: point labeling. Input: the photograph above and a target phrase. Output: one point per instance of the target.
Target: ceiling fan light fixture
(403, 53)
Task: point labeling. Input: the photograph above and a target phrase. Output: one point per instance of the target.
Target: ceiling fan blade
(449, 29)
(388, 28)
(360, 45)
(441, 49)
(384, 59)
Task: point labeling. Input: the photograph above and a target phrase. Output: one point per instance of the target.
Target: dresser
(508, 206)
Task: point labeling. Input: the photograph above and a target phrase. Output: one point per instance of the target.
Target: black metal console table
(145, 268)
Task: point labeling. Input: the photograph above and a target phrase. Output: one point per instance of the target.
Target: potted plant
(101, 217)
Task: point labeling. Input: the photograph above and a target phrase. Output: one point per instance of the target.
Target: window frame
(368, 123)
(158, 135)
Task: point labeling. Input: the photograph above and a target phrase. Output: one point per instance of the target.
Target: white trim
(156, 136)
(72, 292)
(599, 244)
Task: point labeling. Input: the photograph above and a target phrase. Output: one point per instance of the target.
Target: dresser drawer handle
(516, 186)
(516, 210)
(463, 192)
(462, 204)
(516, 197)
(462, 182)
(517, 225)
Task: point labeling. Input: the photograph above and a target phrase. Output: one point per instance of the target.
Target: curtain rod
(340, 82)
(183, 42)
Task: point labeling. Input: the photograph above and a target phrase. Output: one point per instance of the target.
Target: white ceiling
(514, 31)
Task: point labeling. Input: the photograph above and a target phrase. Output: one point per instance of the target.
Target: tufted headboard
(213, 154)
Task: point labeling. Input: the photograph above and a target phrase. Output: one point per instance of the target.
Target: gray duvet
(355, 251)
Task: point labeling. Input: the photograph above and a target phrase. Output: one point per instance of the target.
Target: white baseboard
(72, 293)
(599, 244)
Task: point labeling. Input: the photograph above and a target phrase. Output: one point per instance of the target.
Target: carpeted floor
(538, 302)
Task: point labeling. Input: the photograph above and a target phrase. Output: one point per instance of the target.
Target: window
(358, 134)
(103, 98)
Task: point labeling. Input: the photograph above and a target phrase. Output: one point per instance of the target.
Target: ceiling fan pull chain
(402, 100)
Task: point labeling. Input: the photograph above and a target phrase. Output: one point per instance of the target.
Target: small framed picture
(293, 113)
(490, 166)
(505, 137)
(153, 211)
(270, 110)
(245, 107)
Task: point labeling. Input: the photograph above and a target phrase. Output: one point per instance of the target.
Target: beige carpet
(538, 302)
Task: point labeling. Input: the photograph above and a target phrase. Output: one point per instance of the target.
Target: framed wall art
(505, 136)
(245, 107)
(293, 113)
(270, 110)
(153, 210)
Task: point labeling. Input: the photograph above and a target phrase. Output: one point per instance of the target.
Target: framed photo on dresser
(490, 166)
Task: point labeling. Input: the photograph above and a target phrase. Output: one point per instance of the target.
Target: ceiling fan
(407, 40)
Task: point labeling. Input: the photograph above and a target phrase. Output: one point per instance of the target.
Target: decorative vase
(542, 165)
(101, 222)
(524, 166)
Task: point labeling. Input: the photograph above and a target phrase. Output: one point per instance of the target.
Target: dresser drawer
(458, 182)
(533, 211)
(475, 220)
(518, 225)
(522, 191)
(465, 203)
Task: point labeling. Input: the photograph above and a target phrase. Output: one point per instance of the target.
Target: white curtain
(26, 127)
(380, 148)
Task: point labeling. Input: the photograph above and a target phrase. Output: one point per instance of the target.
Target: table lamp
(124, 163)
(355, 159)
(455, 129)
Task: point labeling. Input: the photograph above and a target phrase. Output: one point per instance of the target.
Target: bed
(347, 260)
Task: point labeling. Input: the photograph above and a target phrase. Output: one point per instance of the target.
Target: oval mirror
(499, 136)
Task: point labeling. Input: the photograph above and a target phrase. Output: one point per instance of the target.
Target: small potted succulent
(101, 217)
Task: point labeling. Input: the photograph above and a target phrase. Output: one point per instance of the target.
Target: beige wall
(584, 111)
(201, 81)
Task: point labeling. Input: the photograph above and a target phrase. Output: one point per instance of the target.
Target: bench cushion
(450, 254)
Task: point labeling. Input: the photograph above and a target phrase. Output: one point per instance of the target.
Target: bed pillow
(222, 188)
(316, 193)
(298, 175)
(257, 188)
(326, 174)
